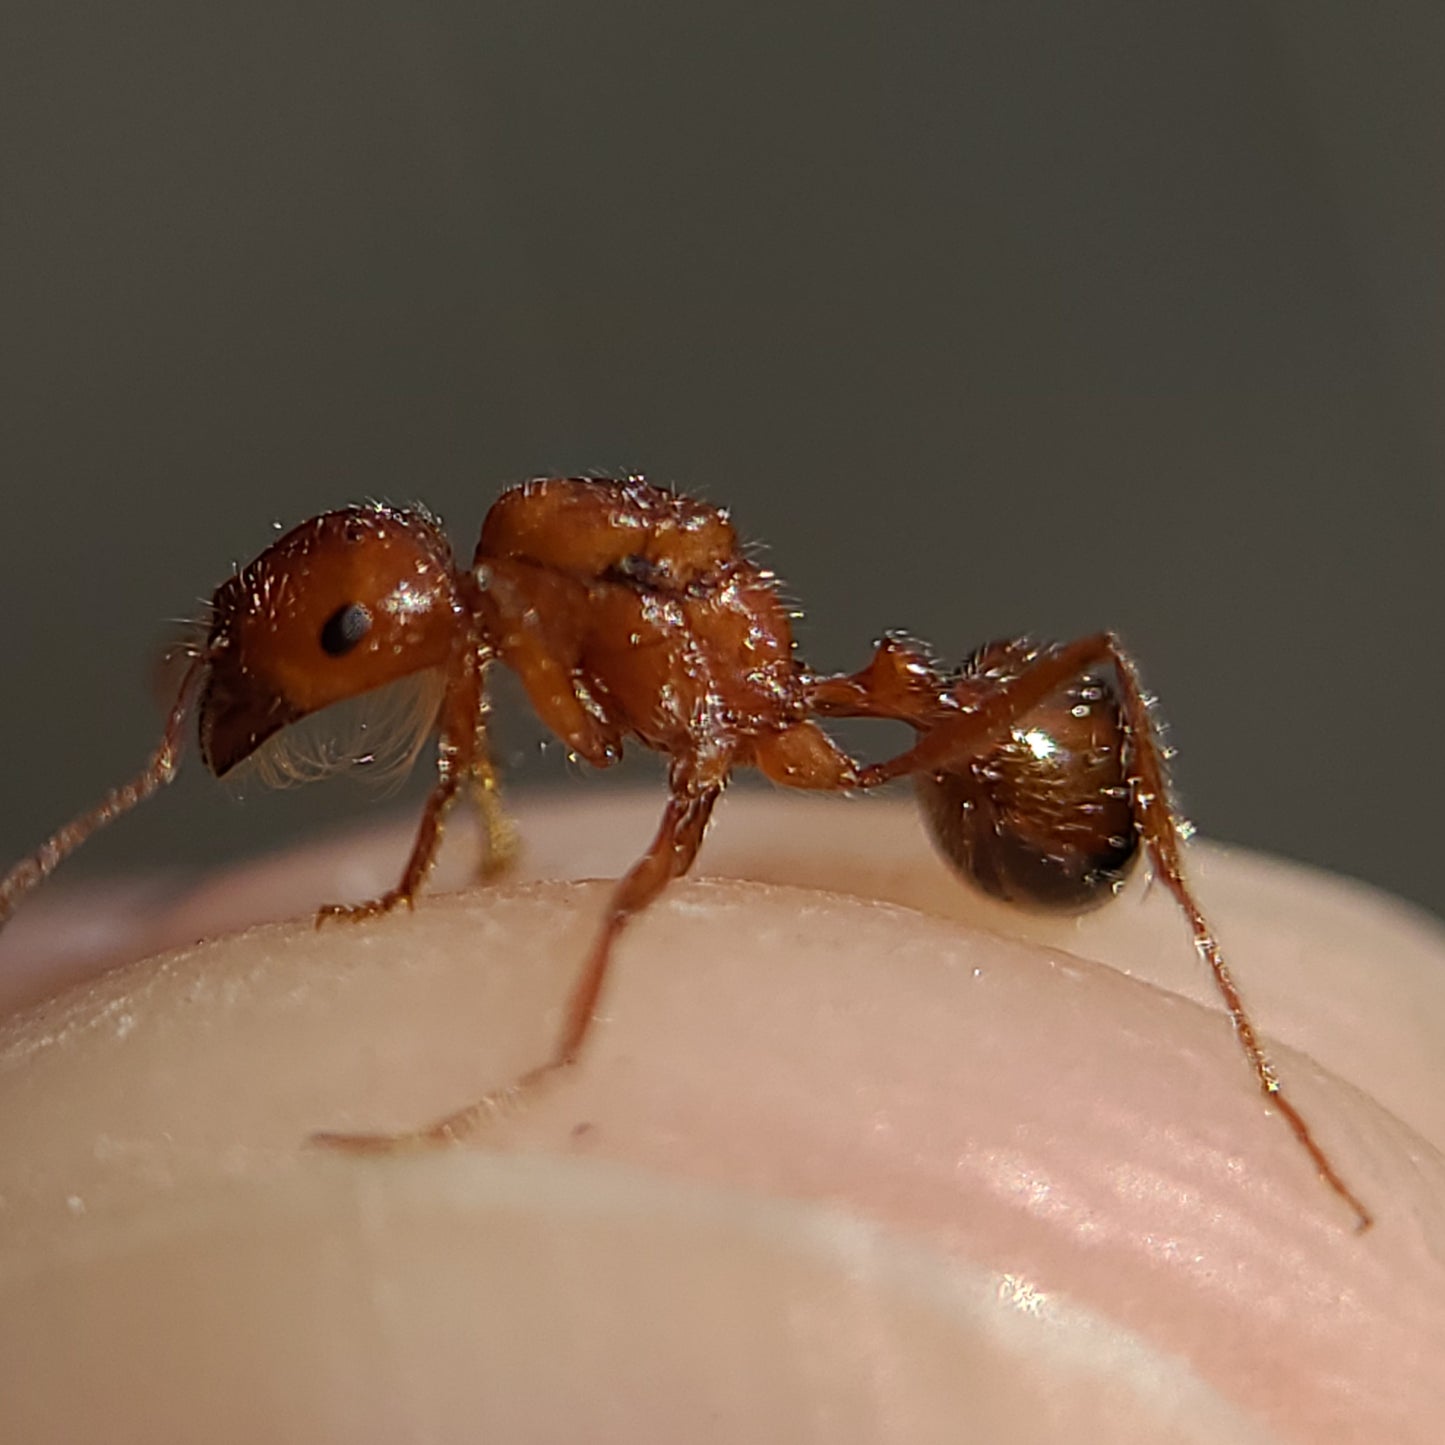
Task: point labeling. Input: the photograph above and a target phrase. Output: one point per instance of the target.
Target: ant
(631, 611)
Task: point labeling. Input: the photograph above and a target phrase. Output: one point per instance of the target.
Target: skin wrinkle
(998, 1101)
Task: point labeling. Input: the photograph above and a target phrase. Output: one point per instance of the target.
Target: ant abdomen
(1045, 818)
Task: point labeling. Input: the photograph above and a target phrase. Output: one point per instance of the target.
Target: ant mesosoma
(630, 611)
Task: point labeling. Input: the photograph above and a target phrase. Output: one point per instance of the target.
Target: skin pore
(849, 1161)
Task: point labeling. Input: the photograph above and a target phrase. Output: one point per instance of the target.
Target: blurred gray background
(988, 318)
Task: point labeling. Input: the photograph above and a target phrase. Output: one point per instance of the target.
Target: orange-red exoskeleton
(630, 612)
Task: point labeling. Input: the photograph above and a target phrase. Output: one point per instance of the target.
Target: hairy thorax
(647, 622)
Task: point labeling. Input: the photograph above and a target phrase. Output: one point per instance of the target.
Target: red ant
(630, 611)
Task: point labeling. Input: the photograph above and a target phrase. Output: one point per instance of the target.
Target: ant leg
(900, 684)
(550, 677)
(160, 768)
(418, 865)
(460, 730)
(1163, 836)
(955, 733)
(671, 854)
(955, 736)
(502, 842)
(501, 832)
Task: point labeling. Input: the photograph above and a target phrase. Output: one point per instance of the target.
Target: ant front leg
(460, 721)
(671, 854)
(418, 864)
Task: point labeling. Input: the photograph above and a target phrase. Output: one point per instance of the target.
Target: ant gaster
(630, 611)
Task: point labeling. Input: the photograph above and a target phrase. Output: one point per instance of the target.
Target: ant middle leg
(1163, 836)
(670, 855)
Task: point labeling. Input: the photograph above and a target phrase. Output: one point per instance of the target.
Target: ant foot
(450, 1129)
(374, 1143)
(358, 912)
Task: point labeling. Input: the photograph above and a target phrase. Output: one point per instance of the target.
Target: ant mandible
(629, 611)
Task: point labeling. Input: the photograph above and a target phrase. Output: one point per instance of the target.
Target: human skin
(852, 1155)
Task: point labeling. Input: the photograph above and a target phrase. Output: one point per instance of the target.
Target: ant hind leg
(1163, 834)
(954, 736)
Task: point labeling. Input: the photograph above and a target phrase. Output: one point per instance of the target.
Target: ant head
(344, 604)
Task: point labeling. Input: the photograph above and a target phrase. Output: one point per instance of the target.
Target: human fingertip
(463, 1296)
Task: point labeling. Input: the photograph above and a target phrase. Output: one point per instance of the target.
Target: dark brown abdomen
(1043, 818)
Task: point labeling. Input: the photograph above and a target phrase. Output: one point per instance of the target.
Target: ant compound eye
(344, 629)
